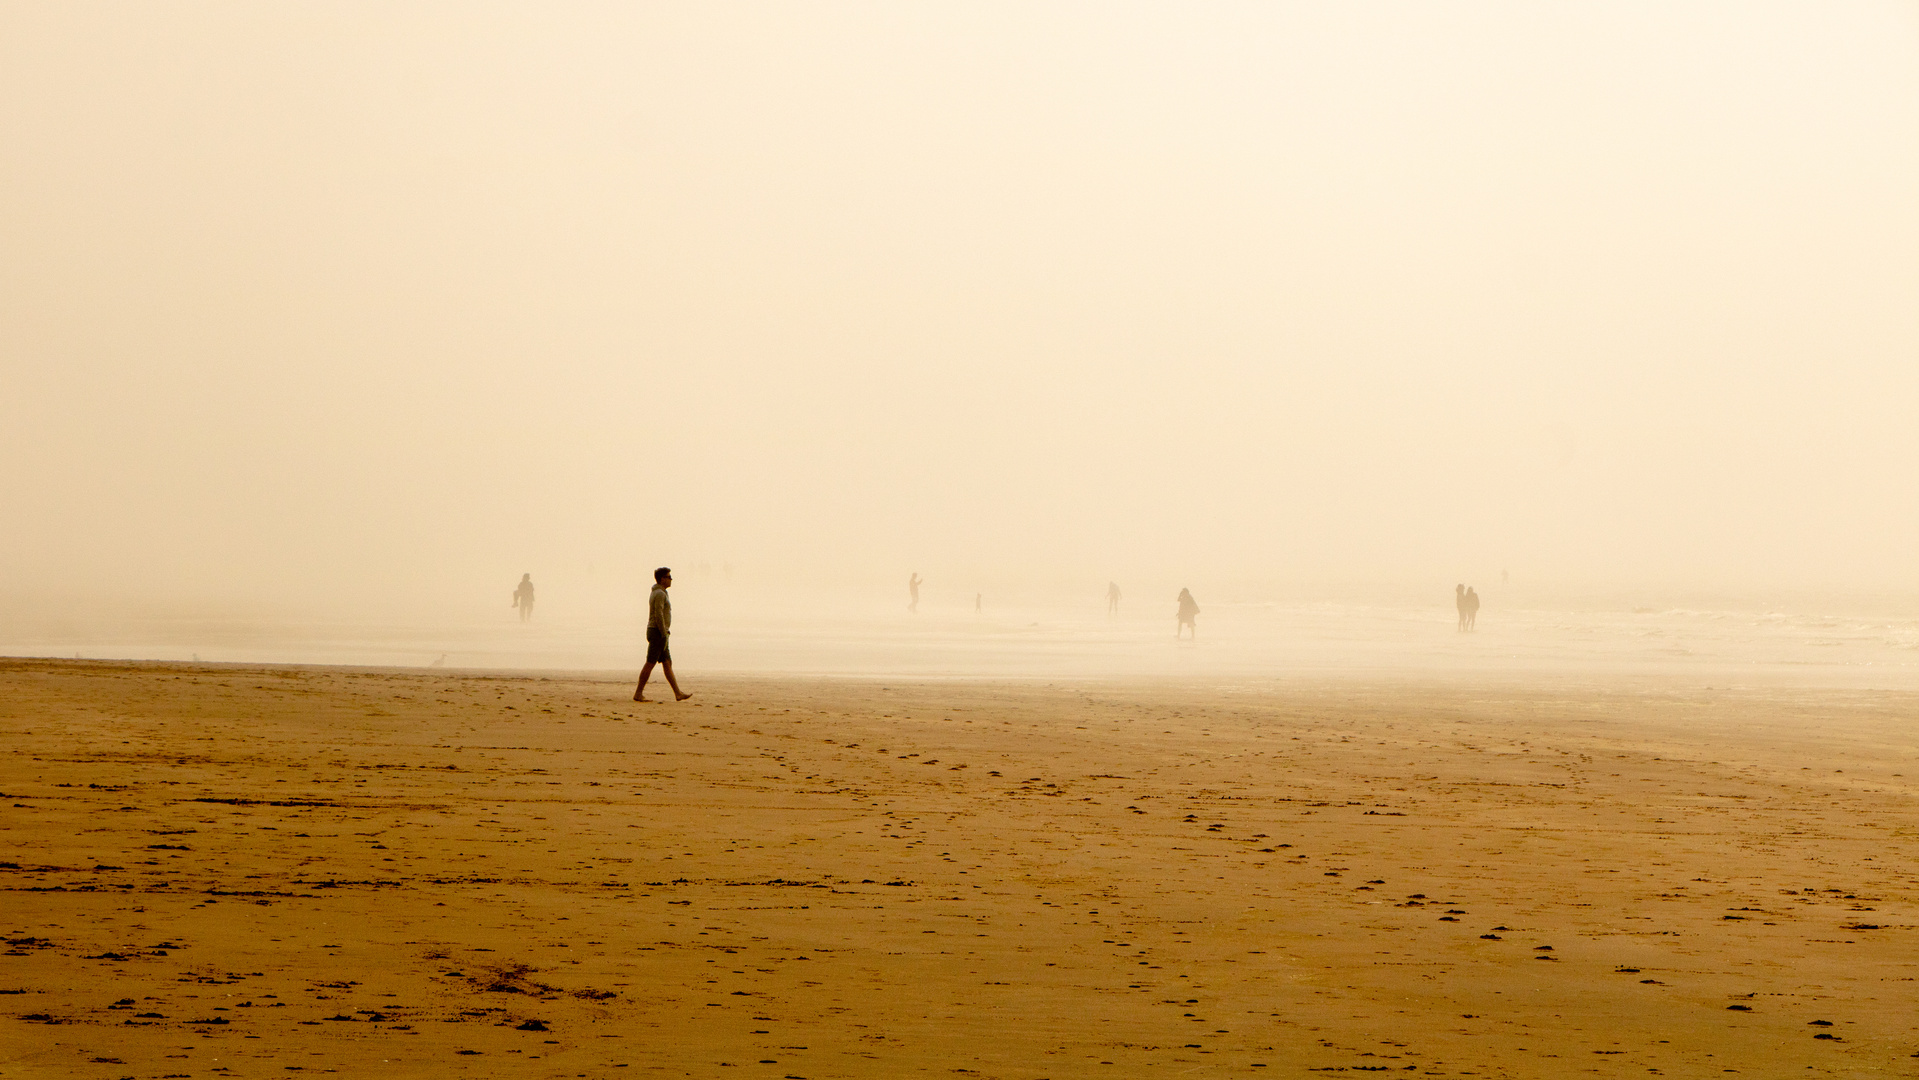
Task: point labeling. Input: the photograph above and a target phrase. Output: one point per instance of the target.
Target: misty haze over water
(722, 627)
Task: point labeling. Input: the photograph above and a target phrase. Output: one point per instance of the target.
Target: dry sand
(249, 872)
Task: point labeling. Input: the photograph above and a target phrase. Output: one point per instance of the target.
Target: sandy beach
(253, 871)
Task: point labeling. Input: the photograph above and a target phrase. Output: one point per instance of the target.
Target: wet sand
(223, 871)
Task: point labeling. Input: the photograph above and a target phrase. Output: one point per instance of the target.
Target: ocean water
(1236, 641)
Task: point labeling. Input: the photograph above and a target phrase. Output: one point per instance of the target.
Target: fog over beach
(363, 309)
(1232, 539)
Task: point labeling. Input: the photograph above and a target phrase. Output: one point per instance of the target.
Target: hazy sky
(304, 300)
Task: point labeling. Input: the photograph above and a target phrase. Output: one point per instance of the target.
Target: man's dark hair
(664, 571)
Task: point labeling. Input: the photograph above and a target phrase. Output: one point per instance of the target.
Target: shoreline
(1591, 678)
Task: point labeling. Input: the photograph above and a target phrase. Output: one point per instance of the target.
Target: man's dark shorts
(656, 646)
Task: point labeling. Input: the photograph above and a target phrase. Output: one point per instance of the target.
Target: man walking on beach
(659, 622)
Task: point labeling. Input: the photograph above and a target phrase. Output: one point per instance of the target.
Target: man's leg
(646, 672)
(667, 666)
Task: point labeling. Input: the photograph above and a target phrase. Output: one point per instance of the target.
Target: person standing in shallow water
(1459, 604)
(913, 590)
(1472, 608)
(659, 623)
(523, 597)
(1112, 598)
(1187, 609)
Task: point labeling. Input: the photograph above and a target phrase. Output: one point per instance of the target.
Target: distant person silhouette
(913, 589)
(659, 623)
(1112, 598)
(1187, 609)
(1459, 604)
(978, 598)
(1472, 609)
(523, 597)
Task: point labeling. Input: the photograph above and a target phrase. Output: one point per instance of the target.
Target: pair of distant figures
(1467, 601)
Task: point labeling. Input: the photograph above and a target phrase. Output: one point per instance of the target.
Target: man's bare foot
(681, 697)
(637, 697)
